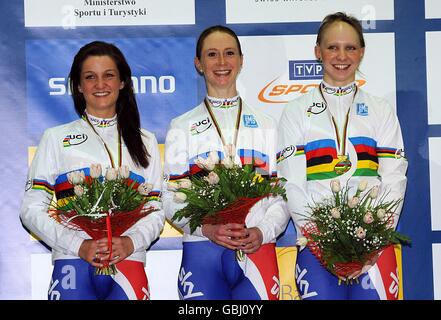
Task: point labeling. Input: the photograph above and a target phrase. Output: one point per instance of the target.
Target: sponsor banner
(165, 87)
(435, 189)
(436, 258)
(270, 11)
(70, 14)
(433, 65)
(433, 9)
(286, 260)
(287, 68)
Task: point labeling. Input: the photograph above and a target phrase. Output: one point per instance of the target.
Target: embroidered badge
(249, 121)
(362, 109)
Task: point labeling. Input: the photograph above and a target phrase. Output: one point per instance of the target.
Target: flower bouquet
(103, 206)
(344, 232)
(225, 194)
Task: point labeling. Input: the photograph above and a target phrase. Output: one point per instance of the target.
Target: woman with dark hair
(108, 133)
(223, 121)
(352, 137)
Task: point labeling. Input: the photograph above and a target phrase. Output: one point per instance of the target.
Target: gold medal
(343, 165)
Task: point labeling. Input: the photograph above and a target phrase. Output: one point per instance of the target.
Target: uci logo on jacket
(200, 126)
(74, 139)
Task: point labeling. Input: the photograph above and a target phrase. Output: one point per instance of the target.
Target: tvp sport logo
(300, 72)
(305, 70)
(74, 139)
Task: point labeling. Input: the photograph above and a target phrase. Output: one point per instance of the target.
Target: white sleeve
(176, 167)
(275, 217)
(291, 163)
(39, 193)
(274, 209)
(147, 229)
(392, 164)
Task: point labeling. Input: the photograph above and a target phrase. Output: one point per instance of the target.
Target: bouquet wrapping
(103, 207)
(345, 233)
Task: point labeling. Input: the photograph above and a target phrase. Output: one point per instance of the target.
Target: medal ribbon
(112, 163)
(213, 118)
(341, 141)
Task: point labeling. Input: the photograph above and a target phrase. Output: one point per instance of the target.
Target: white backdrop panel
(74, 13)
(265, 11)
(435, 188)
(433, 9)
(436, 254)
(433, 67)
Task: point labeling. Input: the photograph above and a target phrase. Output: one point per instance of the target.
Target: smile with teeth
(341, 66)
(101, 94)
(222, 72)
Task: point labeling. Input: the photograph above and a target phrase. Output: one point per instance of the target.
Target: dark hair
(210, 30)
(127, 112)
(340, 16)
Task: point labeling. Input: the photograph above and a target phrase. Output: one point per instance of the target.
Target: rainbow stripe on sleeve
(367, 163)
(39, 184)
(385, 152)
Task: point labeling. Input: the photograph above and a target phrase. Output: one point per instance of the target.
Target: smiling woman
(107, 134)
(342, 140)
(226, 126)
(100, 84)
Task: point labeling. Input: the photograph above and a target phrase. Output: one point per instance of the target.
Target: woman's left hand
(252, 242)
(122, 247)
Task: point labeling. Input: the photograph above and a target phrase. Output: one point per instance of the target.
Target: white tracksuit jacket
(75, 146)
(307, 148)
(193, 134)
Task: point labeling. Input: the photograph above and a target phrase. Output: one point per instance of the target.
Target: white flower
(206, 164)
(124, 172)
(362, 185)
(172, 185)
(335, 185)
(302, 241)
(111, 174)
(335, 213)
(360, 232)
(228, 162)
(79, 191)
(368, 218)
(76, 177)
(145, 188)
(374, 192)
(209, 165)
(212, 178)
(352, 203)
(381, 213)
(185, 183)
(180, 197)
(95, 170)
(213, 157)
